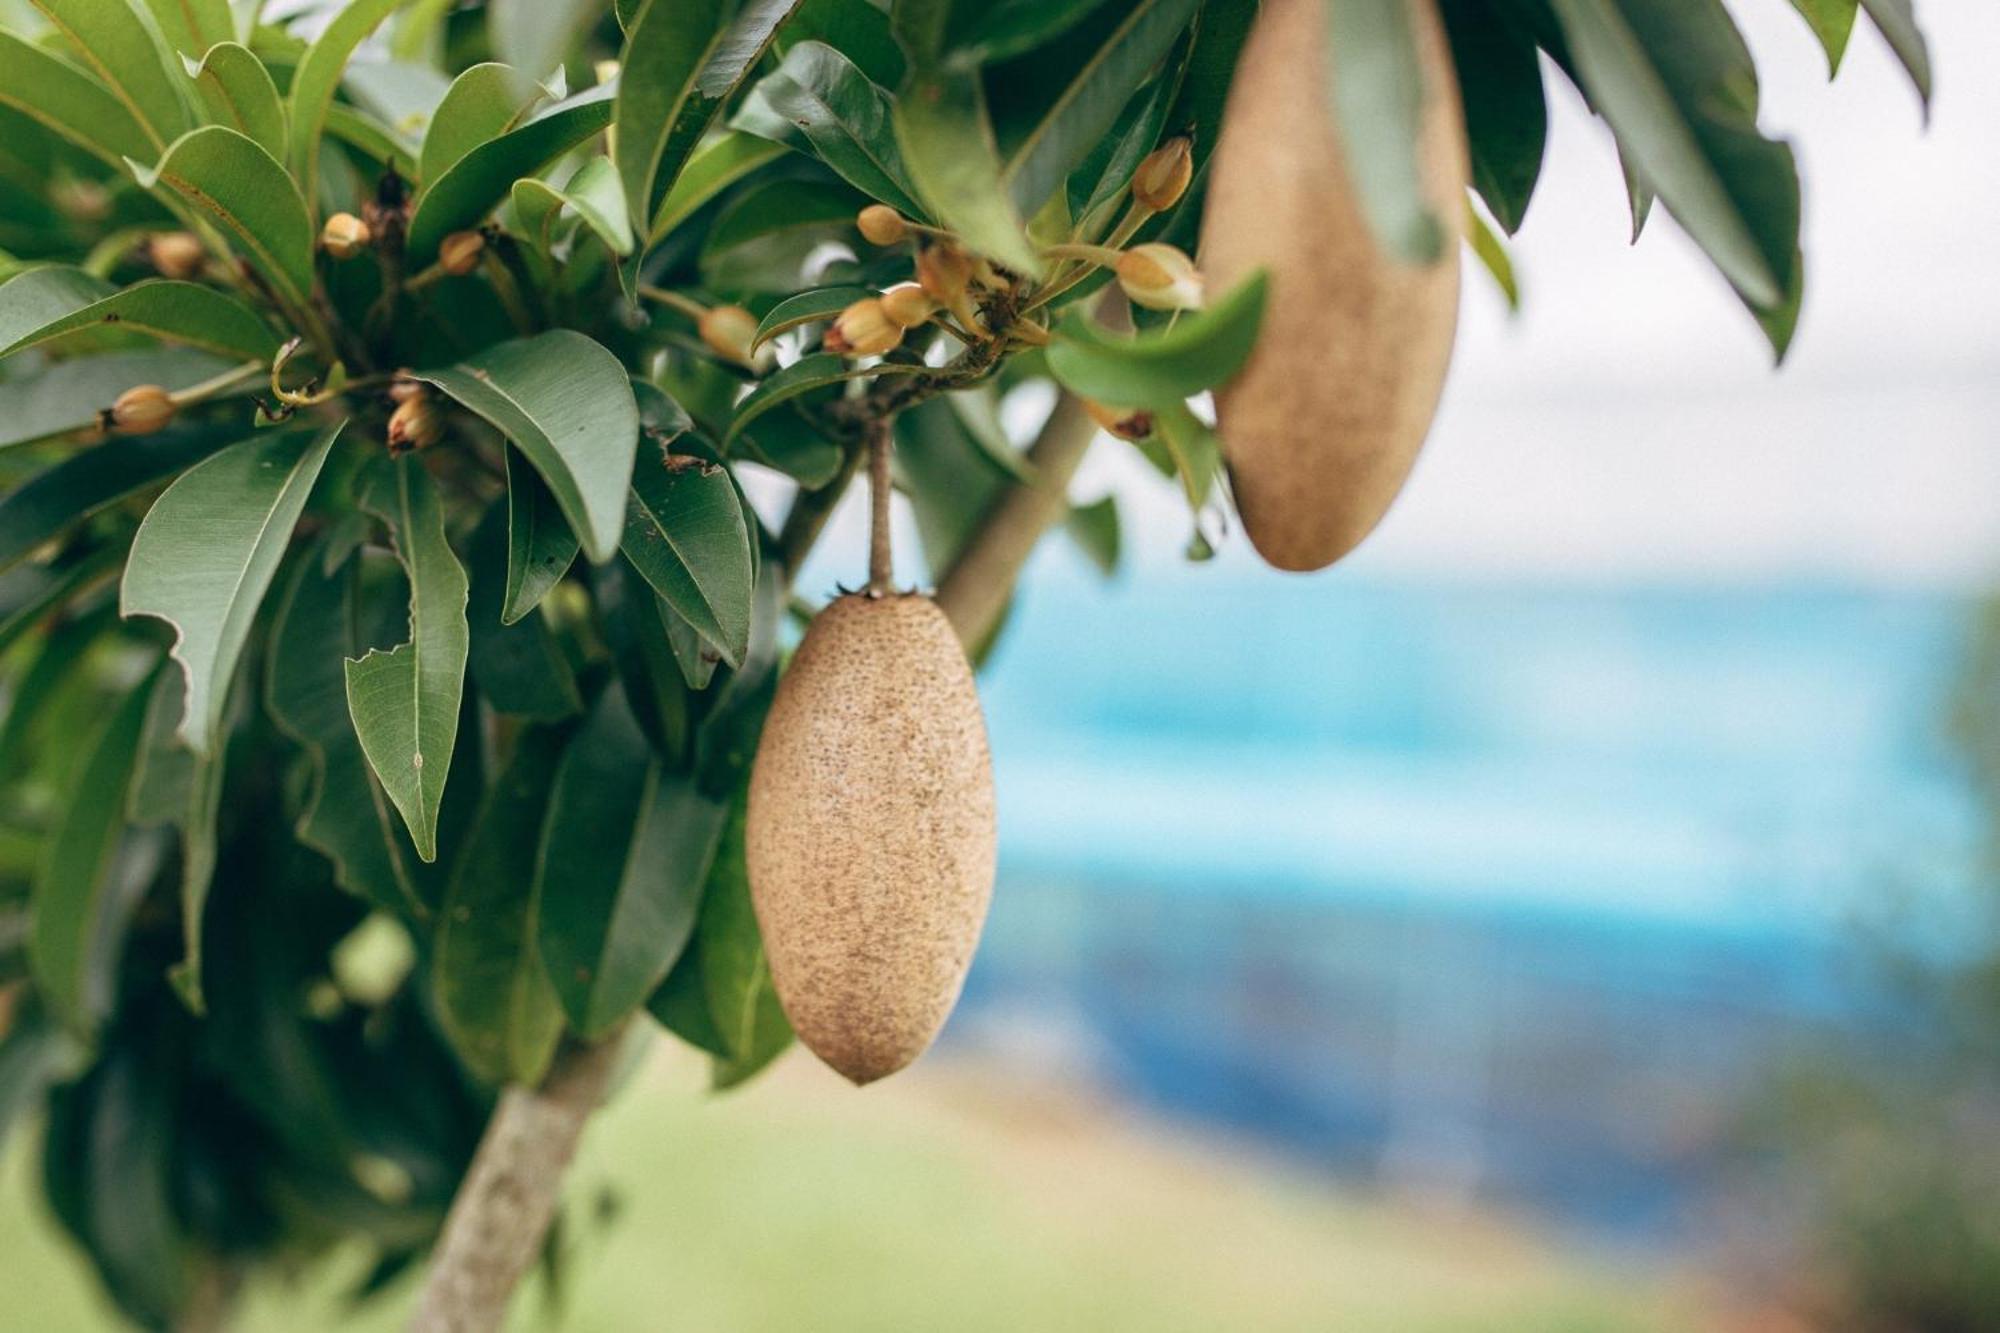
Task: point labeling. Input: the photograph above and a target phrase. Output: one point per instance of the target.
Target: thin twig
(881, 564)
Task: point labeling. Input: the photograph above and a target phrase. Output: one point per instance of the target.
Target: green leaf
(29, 592)
(1897, 21)
(1196, 454)
(492, 994)
(634, 620)
(54, 672)
(173, 311)
(38, 297)
(787, 441)
(540, 545)
(766, 236)
(122, 46)
(318, 78)
(370, 137)
(206, 553)
(857, 29)
(239, 94)
(1679, 88)
(71, 395)
(685, 533)
(819, 103)
(803, 376)
(1104, 172)
(405, 702)
(592, 194)
(1095, 530)
(483, 103)
(518, 668)
(1154, 370)
(1506, 111)
(1379, 93)
(713, 168)
(474, 185)
(1832, 21)
(56, 94)
(240, 187)
(1493, 256)
(1051, 109)
(173, 786)
(535, 36)
(567, 404)
(981, 34)
(682, 60)
(66, 493)
(950, 154)
(78, 922)
(194, 26)
(814, 307)
(735, 971)
(345, 816)
(625, 850)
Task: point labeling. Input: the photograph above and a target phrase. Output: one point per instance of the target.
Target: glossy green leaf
(237, 91)
(1679, 88)
(206, 553)
(345, 815)
(1157, 369)
(492, 993)
(79, 917)
(984, 33)
(857, 29)
(567, 404)
(766, 237)
(1897, 21)
(1506, 112)
(519, 668)
(63, 98)
(120, 43)
(682, 60)
(38, 297)
(540, 545)
(1101, 176)
(71, 395)
(593, 195)
(64, 494)
(814, 307)
(535, 36)
(787, 441)
(819, 103)
(194, 26)
(405, 702)
(625, 850)
(634, 621)
(318, 78)
(735, 971)
(243, 190)
(482, 104)
(685, 533)
(711, 169)
(474, 186)
(950, 154)
(1832, 21)
(801, 377)
(173, 311)
(1379, 93)
(1050, 109)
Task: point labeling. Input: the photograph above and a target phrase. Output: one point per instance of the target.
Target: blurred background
(1574, 912)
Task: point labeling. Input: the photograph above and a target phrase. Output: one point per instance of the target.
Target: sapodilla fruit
(1323, 423)
(870, 834)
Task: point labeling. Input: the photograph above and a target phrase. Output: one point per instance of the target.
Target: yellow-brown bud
(944, 272)
(141, 410)
(176, 254)
(403, 386)
(345, 236)
(907, 305)
(415, 424)
(863, 329)
(82, 200)
(1163, 176)
(1127, 423)
(729, 330)
(458, 253)
(882, 225)
(1159, 277)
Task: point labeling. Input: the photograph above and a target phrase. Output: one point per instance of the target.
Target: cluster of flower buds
(418, 421)
(730, 331)
(344, 236)
(176, 254)
(141, 410)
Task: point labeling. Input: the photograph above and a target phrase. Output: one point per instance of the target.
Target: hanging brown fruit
(1322, 425)
(870, 835)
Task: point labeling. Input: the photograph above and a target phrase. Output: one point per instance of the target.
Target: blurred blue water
(1509, 891)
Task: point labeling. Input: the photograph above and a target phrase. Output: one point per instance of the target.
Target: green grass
(945, 1201)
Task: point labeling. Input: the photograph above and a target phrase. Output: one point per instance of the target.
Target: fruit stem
(880, 563)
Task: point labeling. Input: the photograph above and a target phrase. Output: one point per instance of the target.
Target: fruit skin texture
(1322, 425)
(871, 835)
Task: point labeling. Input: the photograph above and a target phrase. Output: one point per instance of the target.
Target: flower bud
(729, 330)
(176, 254)
(1159, 277)
(81, 200)
(882, 225)
(458, 253)
(141, 410)
(907, 305)
(863, 329)
(1127, 423)
(416, 424)
(1163, 176)
(345, 236)
(403, 386)
(944, 272)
